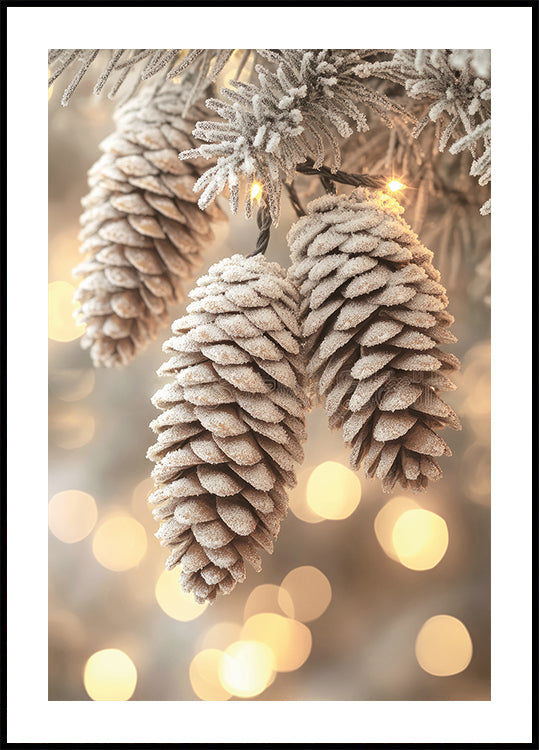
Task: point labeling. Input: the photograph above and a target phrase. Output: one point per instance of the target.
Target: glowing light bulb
(119, 543)
(395, 185)
(256, 192)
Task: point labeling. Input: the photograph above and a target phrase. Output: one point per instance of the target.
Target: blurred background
(366, 597)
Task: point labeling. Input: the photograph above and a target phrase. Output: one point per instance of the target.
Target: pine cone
(232, 423)
(142, 229)
(373, 315)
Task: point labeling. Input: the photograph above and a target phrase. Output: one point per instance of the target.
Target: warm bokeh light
(443, 646)
(333, 491)
(394, 185)
(70, 384)
(220, 635)
(289, 640)
(72, 515)
(297, 497)
(173, 600)
(62, 325)
(247, 668)
(51, 87)
(268, 598)
(309, 590)
(256, 192)
(72, 429)
(119, 543)
(110, 675)
(386, 519)
(204, 675)
(420, 539)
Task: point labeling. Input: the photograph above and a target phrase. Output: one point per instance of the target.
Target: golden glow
(175, 602)
(289, 640)
(256, 192)
(246, 668)
(70, 384)
(51, 87)
(395, 185)
(204, 676)
(443, 646)
(333, 491)
(220, 635)
(420, 539)
(72, 515)
(387, 518)
(298, 500)
(268, 598)
(62, 326)
(119, 543)
(110, 675)
(72, 429)
(309, 590)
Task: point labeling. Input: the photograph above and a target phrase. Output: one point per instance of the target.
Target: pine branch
(297, 111)
(455, 84)
(208, 62)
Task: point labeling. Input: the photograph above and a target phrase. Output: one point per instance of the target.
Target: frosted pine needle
(299, 109)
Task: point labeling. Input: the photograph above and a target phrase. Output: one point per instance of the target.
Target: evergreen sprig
(300, 107)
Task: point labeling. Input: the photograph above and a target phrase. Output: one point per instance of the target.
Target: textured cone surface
(232, 423)
(142, 229)
(373, 317)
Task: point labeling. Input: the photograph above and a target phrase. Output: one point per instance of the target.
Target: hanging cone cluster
(373, 315)
(142, 229)
(232, 423)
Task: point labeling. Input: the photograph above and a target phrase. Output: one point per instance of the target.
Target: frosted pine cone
(142, 230)
(232, 423)
(373, 315)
